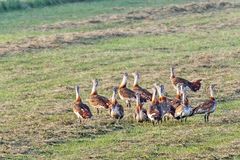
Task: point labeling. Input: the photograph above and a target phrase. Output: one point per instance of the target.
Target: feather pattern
(155, 112)
(207, 107)
(140, 112)
(192, 85)
(116, 109)
(164, 102)
(184, 110)
(80, 109)
(96, 100)
(125, 93)
(144, 93)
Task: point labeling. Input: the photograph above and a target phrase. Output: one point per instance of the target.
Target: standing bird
(140, 112)
(193, 85)
(164, 103)
(207, 107)
(184, 110)
(116, 109)
(80, 109)
(98, 101)
(126, 94)
(177, 100)
(155, 111)
(144, 94)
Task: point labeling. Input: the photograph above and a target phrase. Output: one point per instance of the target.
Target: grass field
(43, 56)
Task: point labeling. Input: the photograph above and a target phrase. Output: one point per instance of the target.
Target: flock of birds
(161, 107)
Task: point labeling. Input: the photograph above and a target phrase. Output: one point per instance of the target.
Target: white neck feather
(114, 96)
(138, 99)
(124, 80)
(136, 79)
(183, 97)
(178, 91)
(172, 71)
(211, 91)
(159, 91)
(153, 94)
(94, 88)
(77, 92)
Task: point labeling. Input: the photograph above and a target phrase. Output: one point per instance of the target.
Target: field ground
(46, 55)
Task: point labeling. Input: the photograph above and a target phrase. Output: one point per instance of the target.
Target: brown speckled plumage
(125, 93)
(98, 101)
(144, 93)
(164, 103)
(155, 111)
(116, 109)
(140, 112)
(193, 85)
(80, 109)
(207, 107)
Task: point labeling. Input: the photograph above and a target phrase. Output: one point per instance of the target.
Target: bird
(164, 103)
(177, 100)
(144, 93)
(155, 111)
(81, 110)
(125, 93)
(140, 112)
(98, 101)
(193, 85)
(184, 110)
(116, 109)
(208, 106)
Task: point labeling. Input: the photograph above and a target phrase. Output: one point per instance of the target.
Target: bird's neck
(154, 97)
(178, 96)
(135, 83)
(124, 83)
(172, 75)
(212, 98)
(94, 90)
(114, 101)
(78, 99)
(162, 98)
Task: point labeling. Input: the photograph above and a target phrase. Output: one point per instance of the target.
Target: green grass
(21, 24)
(37, 87)
(10, 5)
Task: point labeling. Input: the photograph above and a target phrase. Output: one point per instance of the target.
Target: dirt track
(55, 41)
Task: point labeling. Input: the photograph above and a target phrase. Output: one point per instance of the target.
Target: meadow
(45, 52)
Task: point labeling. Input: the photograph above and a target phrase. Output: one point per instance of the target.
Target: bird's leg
(118, 120)
(129, 104)
(97, 111)
(208, 117)
(186, 119)
(205, 118)
(80, 121)
(153, 123)
(168, 118)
